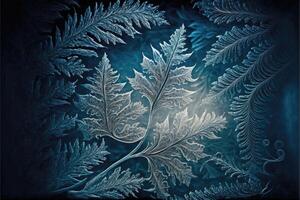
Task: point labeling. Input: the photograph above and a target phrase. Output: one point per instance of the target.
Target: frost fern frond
(111, 112)
(83, 34)
(177, 141)
(234, 78)
(233, 44)
(118, 185)
(166, 74)
(249, 109)
(227, 11)
(228, 190)
(229, 167)
(71, 163)
(250, 114)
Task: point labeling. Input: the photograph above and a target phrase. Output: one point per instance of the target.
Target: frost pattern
(234, 78)
(232, 45)
(177, 141)
(228, 11)
(227, 190)
(82, 34)
(247, 85)
(110, 110)
(68, 170)
(118, 185)
(166, 74)
(172, 144)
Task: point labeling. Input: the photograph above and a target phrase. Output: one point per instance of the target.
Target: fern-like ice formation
(250, 114)
(234, 78)
(166, 74)
(228, 190)
(249, 109)
(111, 111)
(82, 34)
(228, 11)
(171, 144)
(118, 185)
(230, 168)
(250, 82)
(176, 141)
(233, 44)
(69, 165)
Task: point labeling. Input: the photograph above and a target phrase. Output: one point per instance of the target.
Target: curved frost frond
(249, 109)
(228, 190)
(166, 74)
(250, 114)
(70, 164)
(111, 112)
(176, 141)
(230, 168)
(227, 11)
(83, 34)
(234, 78)
(233, 44)
(118, 185)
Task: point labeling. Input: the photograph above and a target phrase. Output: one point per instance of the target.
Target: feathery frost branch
(83, 34)
(233, 44)
(228, 11)
(177, 141)
(118, 185)
(234, 78)
(229, 190)
(70, 164)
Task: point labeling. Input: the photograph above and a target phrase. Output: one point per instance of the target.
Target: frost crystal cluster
(176, 127)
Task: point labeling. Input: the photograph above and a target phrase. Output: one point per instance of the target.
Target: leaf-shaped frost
(118, 185)
(166, 74)
(232, 45)
(228, 190)
(173, 142)
(83, 34)
(68, 170)
(234, 78)
(227, 11)
(111, 112)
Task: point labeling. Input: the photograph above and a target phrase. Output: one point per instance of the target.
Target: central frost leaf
(166, 74)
